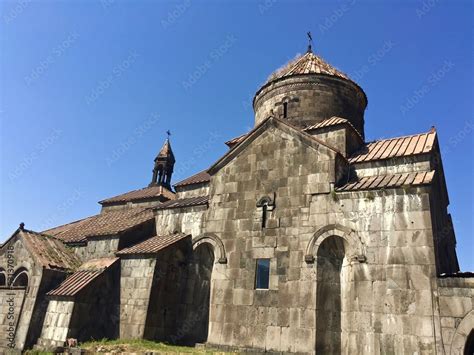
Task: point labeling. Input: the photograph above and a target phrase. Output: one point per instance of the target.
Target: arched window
(20, 278)
(265, 204)
(3, 278)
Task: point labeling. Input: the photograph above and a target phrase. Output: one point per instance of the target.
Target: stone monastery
(302, 238)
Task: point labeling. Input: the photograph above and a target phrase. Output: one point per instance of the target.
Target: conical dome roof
(308, 63)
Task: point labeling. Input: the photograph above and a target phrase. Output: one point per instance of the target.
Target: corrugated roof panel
(199, 178)
(153, 245)
(420, 145)
(395, 147)
(388, 181)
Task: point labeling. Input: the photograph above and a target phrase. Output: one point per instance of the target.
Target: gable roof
(330, 122)
(154, 244)
(396, 147)
(258, 130)
(199, 178)
(184, 202)
(142, 194)
(389, 181)
(103, 224)
(46, 250)
(79, 280)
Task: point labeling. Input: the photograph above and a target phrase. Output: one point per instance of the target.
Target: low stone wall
(456, 308)
(11, 302)
(56, 324)
(135, 288)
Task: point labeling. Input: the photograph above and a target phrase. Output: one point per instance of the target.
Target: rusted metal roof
(199, 178)
(153, 245)
(308, 63)
(396, 147)
(103, 224)
(79, 280)
(389, 181)
(333, 121)
(50, 252)
(142, 194)
(184, 202)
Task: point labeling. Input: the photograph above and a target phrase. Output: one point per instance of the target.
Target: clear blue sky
(88, 89)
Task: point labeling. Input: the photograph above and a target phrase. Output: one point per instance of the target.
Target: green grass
(139, 345)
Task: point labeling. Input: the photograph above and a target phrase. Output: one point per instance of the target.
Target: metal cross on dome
(310, 41)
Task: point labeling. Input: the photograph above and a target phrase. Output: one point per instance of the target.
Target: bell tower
(164, 164)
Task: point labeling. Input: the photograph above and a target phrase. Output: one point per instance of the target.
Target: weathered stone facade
(303, 238)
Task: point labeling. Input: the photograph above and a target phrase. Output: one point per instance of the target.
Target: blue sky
(88, 89)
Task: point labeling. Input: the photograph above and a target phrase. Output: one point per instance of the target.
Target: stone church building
(302, 238)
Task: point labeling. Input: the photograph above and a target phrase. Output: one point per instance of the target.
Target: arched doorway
(203, 263)
(469, 348)
(330, 258)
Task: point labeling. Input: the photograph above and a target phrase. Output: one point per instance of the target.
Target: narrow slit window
(263, 274)
(285, 109)
(264, 214)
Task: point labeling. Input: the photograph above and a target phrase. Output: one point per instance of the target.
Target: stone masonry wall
(393, 166)
(56, 324)
(387, 283)
(100, 247)
(192, 190)
(10, 308)
(182, 220)
(281, 318)
(388, 304)
(456, 309)
(312, 99)
(21, 258)
(135, 289)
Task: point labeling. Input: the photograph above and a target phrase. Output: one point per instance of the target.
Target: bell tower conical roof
(164, 165)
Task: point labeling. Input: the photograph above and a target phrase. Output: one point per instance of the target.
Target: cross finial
(310, 42)
(168, 133)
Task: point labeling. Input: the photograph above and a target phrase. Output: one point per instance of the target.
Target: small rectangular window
(263, 274)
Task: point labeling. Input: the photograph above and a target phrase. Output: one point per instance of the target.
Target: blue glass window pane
(263, 273)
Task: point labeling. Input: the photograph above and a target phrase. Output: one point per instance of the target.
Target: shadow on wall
(328, 298)
(178, 311)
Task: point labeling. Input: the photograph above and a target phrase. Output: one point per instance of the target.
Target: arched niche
(353, 245)
(215, 242)
(20, 278)
(3, 278)
(463, 339)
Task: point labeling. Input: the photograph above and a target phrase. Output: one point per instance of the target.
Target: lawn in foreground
(138, 346)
